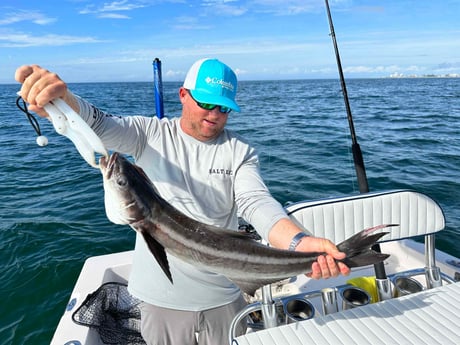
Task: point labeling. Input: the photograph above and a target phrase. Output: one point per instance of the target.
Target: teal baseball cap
(211, 81)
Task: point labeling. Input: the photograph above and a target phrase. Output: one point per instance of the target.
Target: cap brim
(204, 97)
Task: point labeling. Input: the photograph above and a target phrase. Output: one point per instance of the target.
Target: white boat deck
(428, 317)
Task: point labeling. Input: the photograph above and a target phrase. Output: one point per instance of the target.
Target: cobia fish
(131, 198)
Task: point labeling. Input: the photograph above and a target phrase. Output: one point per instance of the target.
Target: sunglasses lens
(206, 106)
(225, 110)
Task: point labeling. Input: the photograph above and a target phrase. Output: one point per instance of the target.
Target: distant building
(401, 75)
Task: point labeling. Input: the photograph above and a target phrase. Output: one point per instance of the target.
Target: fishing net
(114, 313)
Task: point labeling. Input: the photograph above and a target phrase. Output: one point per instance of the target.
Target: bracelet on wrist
(296, 240)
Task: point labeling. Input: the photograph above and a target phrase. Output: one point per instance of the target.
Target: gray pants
(162, 326)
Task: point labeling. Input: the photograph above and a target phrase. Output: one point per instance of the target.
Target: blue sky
(85, 40)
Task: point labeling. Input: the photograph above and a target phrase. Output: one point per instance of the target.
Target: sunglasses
(208, 106)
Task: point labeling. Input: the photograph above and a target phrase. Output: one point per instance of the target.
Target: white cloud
(123, 5)
(272, 7)
(384, 70)
(21, 40)
(189, 23)
(26, 16)
(448, 67)
(225, 7)
(107, 9)
(114, 16)
(287, 7)
(240, 72)
(174, 74)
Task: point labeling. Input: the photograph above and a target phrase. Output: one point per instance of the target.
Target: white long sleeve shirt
(212, 182)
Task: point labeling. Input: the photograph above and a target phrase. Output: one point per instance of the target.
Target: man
(204, 170)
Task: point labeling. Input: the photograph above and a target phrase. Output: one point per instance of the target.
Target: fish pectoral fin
(159, 253)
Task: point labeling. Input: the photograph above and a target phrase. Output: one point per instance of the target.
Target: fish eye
(121, 181)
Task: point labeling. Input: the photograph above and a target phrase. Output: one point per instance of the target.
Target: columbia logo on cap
(221, 82)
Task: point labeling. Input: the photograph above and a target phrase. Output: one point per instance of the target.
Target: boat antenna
(383, 284)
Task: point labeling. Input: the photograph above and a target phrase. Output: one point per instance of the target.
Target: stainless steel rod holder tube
(268, 308)
(406, 285)
(353, 297)
(384, 289)
(298, 309)
(329, 300)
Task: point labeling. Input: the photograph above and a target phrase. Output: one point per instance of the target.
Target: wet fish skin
(131, 198)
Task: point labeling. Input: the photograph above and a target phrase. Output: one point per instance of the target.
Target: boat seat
(339, 218)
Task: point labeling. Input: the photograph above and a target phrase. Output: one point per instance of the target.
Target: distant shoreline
(408, 76)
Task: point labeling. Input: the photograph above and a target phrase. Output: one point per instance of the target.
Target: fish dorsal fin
(159, 253)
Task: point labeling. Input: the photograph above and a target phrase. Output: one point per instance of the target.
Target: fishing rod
(355, 148)
(383, 283)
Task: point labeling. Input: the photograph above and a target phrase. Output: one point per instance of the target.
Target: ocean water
(51, 202)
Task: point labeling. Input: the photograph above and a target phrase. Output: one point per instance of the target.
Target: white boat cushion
(339, 218)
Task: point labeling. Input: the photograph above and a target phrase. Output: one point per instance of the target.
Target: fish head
(126, 190)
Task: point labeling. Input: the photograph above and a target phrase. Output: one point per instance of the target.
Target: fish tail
(358, 247)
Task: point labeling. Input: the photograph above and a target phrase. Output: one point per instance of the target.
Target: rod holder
(329, 301)
(298, 309)
(384, 289)
(353, 297)
(268, 308)
(405, 285)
